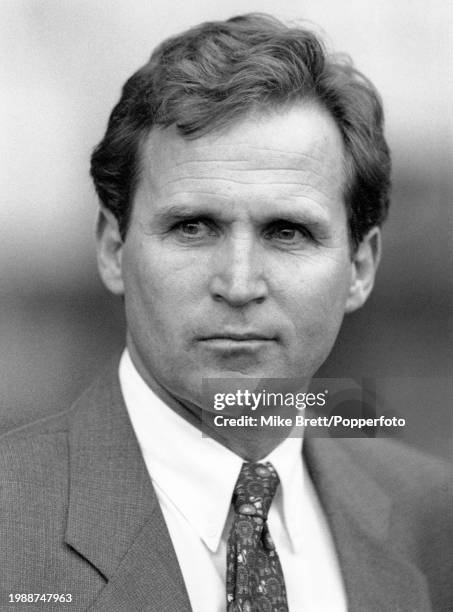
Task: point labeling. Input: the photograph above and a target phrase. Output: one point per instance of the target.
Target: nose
(238, 277)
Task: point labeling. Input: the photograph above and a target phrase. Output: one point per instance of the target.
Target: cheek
(316, 302)
(160, 290)
(143, 287)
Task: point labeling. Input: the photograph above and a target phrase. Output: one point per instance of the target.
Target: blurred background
(62, 67)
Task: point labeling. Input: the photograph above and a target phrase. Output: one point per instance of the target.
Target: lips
(237, 336)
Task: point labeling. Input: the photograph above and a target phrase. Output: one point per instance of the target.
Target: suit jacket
(78, 515)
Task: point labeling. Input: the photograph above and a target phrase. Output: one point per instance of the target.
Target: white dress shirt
(194, 478)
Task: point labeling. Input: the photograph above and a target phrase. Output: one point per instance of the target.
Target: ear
(365, 262)
(109, 247)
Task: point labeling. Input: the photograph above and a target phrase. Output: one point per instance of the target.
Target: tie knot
(255, 489)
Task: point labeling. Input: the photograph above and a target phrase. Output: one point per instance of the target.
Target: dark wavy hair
(215, 73)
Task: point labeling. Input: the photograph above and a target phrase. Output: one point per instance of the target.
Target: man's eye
(190, 228)
(287, 233)
(194, 229)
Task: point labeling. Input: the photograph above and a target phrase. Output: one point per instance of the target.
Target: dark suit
(78, 514)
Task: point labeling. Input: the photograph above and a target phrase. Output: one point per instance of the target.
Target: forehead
(293, 152)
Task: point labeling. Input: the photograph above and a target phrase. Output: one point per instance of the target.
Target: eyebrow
(305, 216)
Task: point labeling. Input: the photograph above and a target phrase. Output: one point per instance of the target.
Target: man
(243, 179)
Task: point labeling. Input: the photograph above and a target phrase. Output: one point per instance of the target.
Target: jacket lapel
(114, 518)
(376, 576)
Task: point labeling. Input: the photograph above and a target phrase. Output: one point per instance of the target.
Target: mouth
(238, 339)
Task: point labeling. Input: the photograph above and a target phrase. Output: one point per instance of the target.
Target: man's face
(237, 260)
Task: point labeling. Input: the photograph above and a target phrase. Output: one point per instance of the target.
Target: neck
(251, 443)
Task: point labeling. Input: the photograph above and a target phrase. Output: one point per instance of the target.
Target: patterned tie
(254, 575)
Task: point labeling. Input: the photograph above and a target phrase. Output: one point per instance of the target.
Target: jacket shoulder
(419, 484)
(36, 453)
(42, 446)
(398, 462)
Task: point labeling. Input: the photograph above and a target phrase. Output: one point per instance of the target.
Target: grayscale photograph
(226, 316)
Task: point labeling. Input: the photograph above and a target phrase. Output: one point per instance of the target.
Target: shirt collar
(291, 495)
(199, 474)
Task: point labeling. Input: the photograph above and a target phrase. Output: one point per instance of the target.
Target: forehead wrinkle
(196, 185)
(240, 169)
(322, 169)
(195, 192)
(212, 151)
(232, 180)
(191, 170)
(247, 146)
(316, 166)
(189, 183)
(239, 162)
(283, 164)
